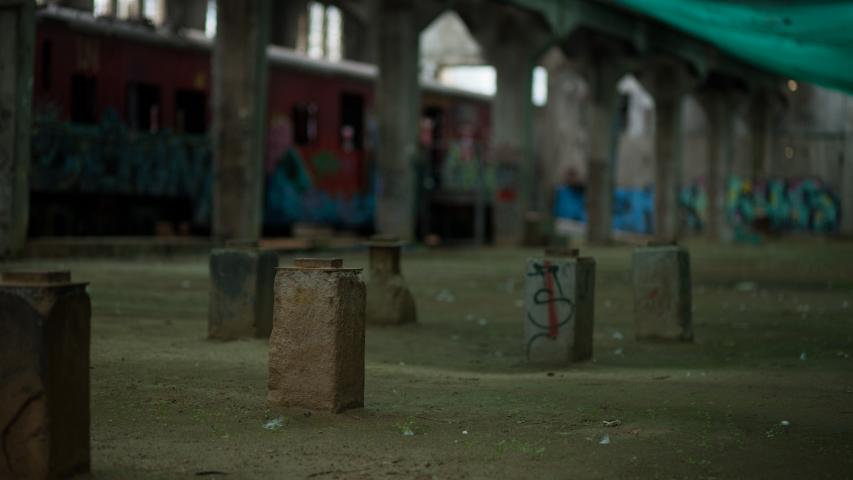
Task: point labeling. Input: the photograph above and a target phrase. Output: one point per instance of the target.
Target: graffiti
(774, 205)
(463, 169)
(108, 158)
(632, 209)
(547, 306)
(292, 191)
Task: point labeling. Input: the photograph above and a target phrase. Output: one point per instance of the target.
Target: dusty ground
(166, 403)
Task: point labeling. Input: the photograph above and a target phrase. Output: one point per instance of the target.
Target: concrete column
(239, 116)
(17, 26)
(512, 114)
(286, 17)
(719, 106)
(84, 5)
(316, 358)
(667, 80)
(398, 109)
(359, 39)
(759, 127)
(181, 14)
(847, 171)
(44, 367)
(602, 76)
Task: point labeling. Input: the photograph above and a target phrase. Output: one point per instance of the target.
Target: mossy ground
(167, 403)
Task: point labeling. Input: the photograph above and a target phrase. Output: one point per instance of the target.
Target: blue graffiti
(632, 208)
(107, 158)
(291, 197)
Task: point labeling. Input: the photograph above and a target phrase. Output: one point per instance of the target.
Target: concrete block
(241, 291)
(662, 297)
(44, 375)
(316, 358)
(389, 301)
(559, 308)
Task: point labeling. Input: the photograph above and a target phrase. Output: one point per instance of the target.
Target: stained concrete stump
(44, 375)
(241, 291)
(389, 301)
(559, 301)
(662, 297)
(316, 358)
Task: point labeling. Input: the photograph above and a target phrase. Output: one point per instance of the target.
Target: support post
(847, 171)
(667, 80)
(398, 105)
(17, 27)
(44, 367)
(720, 105)
(662, 293)
(389, 301)
(316, 358)
(239, 116)
(181, 14)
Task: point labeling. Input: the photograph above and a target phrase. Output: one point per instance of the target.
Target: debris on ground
(274, 424)
(445, 296)
(612, 423)
(605, 440)
(745, 286)
(617, 335)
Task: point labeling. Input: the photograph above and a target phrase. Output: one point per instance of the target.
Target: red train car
(120, 145)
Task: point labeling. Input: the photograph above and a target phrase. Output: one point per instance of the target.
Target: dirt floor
(765, 391)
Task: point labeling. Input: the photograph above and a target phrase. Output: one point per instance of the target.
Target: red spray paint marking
(553, 324)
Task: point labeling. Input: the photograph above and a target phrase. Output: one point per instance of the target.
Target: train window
(352, 121)
(190, 111)
(46, 65)
(305, 123)
(84, 99)
(143, 107)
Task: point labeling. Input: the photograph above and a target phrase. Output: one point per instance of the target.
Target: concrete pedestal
(241, 291)
(389, 301)
(44, 375)
(559, 302)
(316, 358)
(662, 298)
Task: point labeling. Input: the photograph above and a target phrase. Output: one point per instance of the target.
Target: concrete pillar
(239, 116)
(847, 172)
(668, 81)
(389, 301)
(359, 39)
(398, 110)
(286, 19)
(84, 5)
(181, 14)
(662, 293)
(759, 130)
(17, 23)
(602, 75)
(316, 358)
(719, 105)
(44, 367)
(559, 300)
(241, 291)
(512, 115)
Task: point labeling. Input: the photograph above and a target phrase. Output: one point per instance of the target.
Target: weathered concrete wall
(44, 367)
(16, 84)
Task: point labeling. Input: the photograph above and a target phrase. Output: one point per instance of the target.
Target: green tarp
(810, 41)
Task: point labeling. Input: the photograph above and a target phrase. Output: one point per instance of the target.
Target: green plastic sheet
(809, 41)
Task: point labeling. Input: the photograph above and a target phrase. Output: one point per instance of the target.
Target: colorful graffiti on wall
(632, 208)
(109, 159)
(773, 206)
